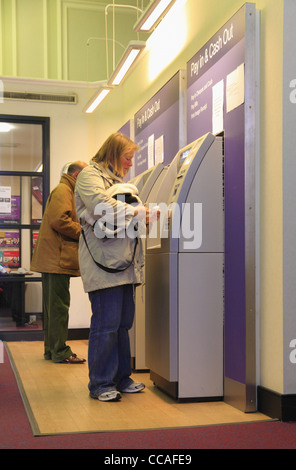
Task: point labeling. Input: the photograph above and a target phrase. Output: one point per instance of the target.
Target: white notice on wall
(151, 151)
(5, 200)
(159, 154)
(218, 103)
(235, 88)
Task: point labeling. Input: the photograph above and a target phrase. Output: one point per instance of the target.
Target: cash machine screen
(183, 156)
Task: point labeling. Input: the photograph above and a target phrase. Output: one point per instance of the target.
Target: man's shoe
(111, 395)
(73, 360)
(134, 387)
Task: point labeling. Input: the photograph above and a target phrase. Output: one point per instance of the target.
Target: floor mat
(56, 399)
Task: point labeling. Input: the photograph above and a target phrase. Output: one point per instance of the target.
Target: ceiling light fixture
(97, 99)
(153, 15)
(127, 60)
(5, 127)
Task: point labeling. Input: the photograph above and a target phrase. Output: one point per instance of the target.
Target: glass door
(24, 189)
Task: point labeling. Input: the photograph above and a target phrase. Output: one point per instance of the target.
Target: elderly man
(56, 257)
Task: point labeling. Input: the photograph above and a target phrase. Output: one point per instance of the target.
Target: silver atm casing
(185, 278)
(145, 182)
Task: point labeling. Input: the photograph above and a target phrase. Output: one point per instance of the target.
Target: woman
(110, 266)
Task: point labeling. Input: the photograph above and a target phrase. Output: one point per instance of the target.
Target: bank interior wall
(201, 24)
(73, 135)
(69, 137)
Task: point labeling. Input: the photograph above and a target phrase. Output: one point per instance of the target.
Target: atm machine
(184, 276)
(145, 183)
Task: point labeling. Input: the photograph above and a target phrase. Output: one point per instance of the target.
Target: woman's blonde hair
(112, 149)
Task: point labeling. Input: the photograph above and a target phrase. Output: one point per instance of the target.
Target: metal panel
(161, 315)
(201, 325)
(243, 394)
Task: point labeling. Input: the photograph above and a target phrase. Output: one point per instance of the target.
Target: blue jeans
(109, 356)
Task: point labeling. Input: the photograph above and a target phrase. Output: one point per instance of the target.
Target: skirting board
(275, 405)
(78, 333)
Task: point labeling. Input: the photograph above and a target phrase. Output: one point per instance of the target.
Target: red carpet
(15, 431)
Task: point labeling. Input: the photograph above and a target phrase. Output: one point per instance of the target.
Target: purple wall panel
(126, 129)
(159, 116)
(235, 331)
(208, 76)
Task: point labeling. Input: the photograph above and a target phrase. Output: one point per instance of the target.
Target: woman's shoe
(134, 387)
(111, 395)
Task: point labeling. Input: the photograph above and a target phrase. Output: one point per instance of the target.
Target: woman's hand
(142, 212)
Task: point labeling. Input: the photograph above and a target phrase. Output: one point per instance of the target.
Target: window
(24, 189)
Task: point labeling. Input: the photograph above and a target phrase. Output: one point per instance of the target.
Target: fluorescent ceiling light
(97, 99)
(127, 60)
(133, 50)
(153, 15)
(5, 127)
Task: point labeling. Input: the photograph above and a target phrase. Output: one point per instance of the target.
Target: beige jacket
(56, 250)
(115, 253)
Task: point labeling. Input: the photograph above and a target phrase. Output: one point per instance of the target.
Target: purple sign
(221, 43)
(157, 127)
(126, 129)
(14, 217)
(223, 54)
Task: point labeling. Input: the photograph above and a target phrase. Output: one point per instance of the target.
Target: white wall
(69, 141)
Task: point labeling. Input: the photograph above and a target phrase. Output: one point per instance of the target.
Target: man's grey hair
(73, 168)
